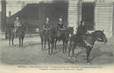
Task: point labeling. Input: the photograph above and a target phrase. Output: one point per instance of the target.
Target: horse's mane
(96, 31)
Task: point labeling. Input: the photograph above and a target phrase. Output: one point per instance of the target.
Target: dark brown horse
(43, 35)
(86, 42)
(20, 33)
(11, 34)
(51, 37)
(64, 35)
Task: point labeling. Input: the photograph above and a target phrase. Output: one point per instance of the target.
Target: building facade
(0, 22)
(3, 15)
(34, 15)
(97, 14)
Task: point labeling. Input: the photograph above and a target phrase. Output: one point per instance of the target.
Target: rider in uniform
(60, 27)
(60, 24)
(17, 24)
(81, 31)
(46, 24)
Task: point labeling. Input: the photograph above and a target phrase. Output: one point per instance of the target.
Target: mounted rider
(60, 24)
(81, 31)
(82, 28)
(60, 27)
(46, 24)
(17, 24)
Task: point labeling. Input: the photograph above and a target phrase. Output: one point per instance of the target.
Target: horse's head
(100, 36)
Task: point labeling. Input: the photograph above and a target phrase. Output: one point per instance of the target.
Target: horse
(64, 35)
(51, 37)
(20, 33)
(11, 34)
(87, 42)
(43, 35)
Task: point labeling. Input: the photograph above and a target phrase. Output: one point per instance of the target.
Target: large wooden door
(88, 14)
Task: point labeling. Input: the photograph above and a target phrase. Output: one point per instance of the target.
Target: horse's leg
(55, 44)
(9, 41)
(13, 37)
(44, 43)
(12, 40)
(22, 41)
(88, 50)
(66, 43)
(19, 42)
(69, 48)
(48, 47)
(73, 49)
(48, 43)
(52, 47)
(63, 46)
(41, 42)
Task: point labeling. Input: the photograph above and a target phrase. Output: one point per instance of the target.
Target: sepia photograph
(57, 34)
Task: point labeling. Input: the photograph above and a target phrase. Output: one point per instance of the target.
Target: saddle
(60, 31)
(86, 37)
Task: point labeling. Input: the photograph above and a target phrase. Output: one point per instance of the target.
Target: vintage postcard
(56, 36)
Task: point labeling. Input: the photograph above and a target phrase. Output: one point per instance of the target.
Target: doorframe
(94, 4)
